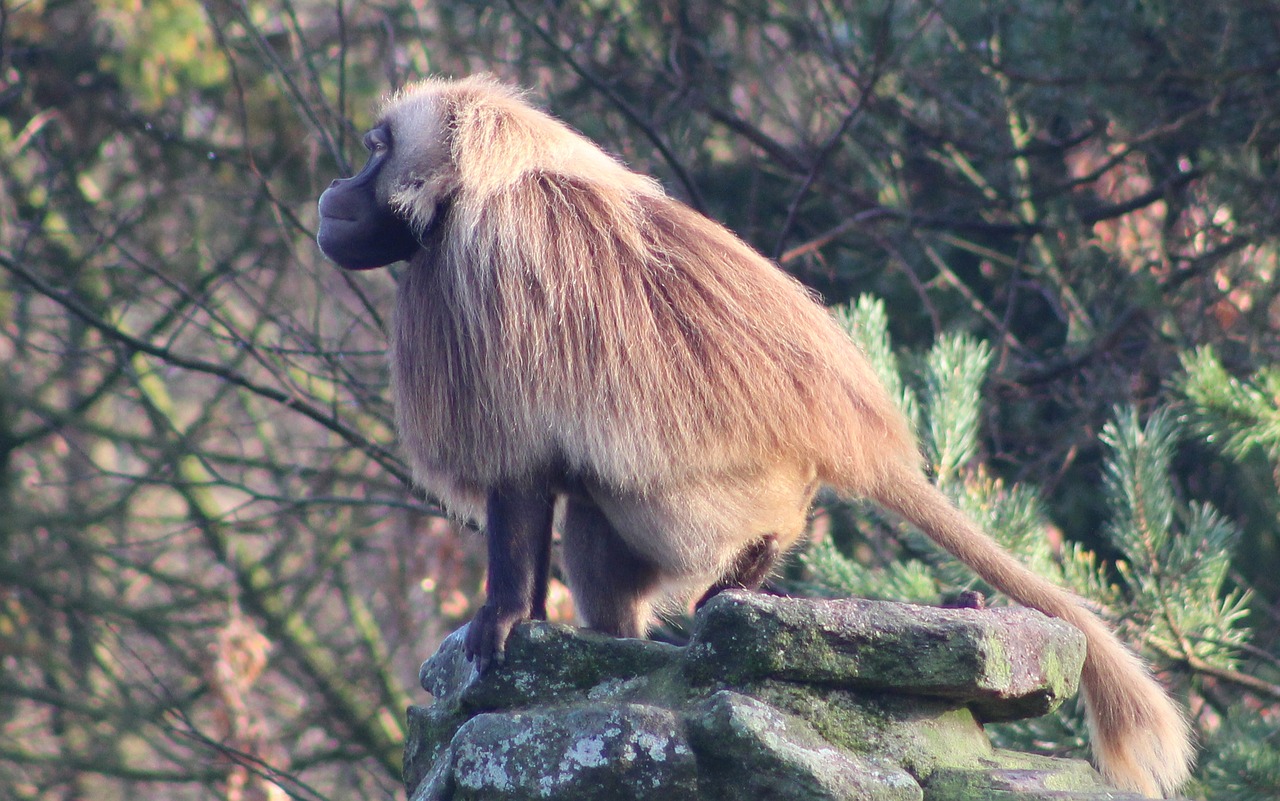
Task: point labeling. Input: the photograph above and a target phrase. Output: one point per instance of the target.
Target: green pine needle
(955, 371)
(867, 324)
(1238, 415)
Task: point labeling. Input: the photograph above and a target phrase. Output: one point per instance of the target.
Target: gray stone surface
(748, 749)
(599, 752)
(1022, 777)
(543, 662)
(774, 698)
(1007, 663)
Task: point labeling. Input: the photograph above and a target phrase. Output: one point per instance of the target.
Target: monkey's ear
(422, 199)
(422, 174)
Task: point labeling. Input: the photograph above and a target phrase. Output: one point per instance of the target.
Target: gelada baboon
(567, 333)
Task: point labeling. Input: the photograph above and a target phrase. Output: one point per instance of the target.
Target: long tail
(1140, 739)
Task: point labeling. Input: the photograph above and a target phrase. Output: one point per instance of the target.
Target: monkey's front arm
(519, 539)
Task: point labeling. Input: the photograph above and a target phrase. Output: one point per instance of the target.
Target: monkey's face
(381, 215)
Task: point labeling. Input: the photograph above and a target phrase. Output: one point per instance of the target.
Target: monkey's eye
(377, 141)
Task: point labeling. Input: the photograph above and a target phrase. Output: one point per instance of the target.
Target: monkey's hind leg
(612, 587)
(749, 569)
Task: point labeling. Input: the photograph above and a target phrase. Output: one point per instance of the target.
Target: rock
(1011, 776)
(607, 752)
(1007, 663)
(543, 662)
(916, 732)
(747, 749)
(774, 698)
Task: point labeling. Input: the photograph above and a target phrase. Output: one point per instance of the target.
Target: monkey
(573, 347)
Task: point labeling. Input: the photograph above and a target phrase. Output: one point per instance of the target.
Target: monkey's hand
(487, 634)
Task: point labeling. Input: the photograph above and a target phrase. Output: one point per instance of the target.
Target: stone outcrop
(773, 698)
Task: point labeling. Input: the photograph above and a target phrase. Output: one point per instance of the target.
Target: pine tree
(1168, 592)
(1241, 417)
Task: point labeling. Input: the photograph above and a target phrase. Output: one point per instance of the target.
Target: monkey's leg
(749, 569)
(542, 571)
(519, 536)
(612, 586)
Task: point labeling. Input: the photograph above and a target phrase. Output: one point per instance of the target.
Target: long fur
(566, 314)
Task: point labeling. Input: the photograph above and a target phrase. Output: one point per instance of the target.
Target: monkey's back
(624, 336)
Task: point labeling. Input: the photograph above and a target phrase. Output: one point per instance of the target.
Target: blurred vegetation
(215, 579)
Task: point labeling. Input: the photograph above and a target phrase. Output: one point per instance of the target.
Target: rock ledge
(778, 698)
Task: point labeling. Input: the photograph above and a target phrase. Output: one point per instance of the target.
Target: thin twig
(72, 304)
(692, 195)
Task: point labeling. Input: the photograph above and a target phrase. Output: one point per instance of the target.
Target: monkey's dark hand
(487, 635)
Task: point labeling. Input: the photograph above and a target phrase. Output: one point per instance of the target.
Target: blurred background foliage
(215, 580)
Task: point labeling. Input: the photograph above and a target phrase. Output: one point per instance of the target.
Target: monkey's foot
(749, 570)
(487, 634)
(966, 599)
